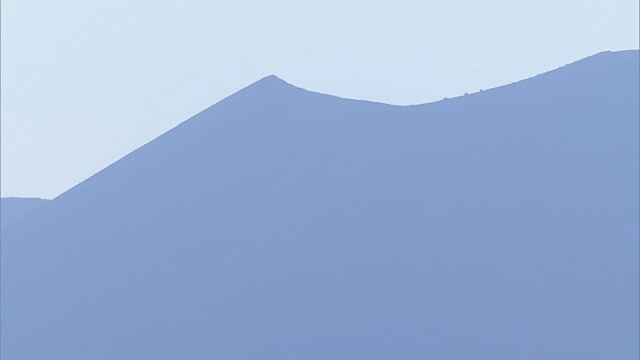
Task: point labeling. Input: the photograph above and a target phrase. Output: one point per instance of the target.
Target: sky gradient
(86, 82)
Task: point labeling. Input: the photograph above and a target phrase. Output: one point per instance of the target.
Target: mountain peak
(272, 78)
(268, 85)
(271, 81)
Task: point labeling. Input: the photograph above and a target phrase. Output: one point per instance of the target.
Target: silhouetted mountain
(286, 224)
(13, 208)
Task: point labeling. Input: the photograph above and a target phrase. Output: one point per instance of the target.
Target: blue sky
(84, 82)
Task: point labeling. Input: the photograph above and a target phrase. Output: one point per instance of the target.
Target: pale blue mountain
(286, 224)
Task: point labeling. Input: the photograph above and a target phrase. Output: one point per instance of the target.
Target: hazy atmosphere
(86, 82)
(275, 180)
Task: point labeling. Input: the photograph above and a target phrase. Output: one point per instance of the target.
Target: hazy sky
(84, 82)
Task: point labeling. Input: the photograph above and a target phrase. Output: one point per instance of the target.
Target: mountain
(281, 223)
(13, 208)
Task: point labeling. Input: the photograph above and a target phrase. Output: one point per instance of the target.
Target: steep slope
(282, 223)
(13, 209)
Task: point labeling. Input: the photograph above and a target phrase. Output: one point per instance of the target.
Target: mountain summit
(282, 223)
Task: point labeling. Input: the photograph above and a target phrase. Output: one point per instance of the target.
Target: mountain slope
(281, 223)
(13, 209)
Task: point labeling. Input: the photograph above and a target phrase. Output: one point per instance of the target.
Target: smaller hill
(13, 209)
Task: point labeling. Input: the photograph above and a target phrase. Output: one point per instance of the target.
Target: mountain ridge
(286, 224)
(273, 85)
